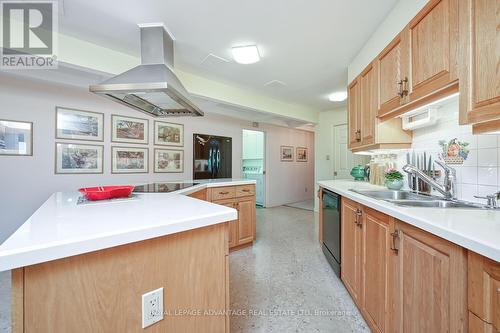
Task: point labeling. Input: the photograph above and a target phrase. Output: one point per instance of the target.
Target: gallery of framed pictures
(301, 154)
(168, 134)
(286, 153)
(129, 160)
(78, 158)
(168, 160)
(129, 129)
(74, 124)
(16, 138)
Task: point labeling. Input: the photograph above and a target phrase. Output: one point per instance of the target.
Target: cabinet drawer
(245, 190)
(219, 193)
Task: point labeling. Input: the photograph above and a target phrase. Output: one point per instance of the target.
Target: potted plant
(393, 179)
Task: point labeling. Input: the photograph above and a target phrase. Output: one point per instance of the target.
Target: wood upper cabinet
(484, 293)
(479, 68)
(368, 104)
(351, 247)
(378, 270)
(431, 283)
(354, 114)
(393, 74)
(433, 35)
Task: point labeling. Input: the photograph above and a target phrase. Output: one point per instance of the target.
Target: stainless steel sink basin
(411, 199)
(436, 204)
(393, 195)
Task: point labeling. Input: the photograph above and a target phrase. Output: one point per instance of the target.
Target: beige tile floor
(281, 284)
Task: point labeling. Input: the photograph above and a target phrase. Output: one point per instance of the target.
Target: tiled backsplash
(480, 173)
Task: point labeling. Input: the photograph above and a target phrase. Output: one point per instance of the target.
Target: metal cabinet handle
(358, 135)
(224, 192)
(394, 235)
(245, 190)
(359, 213)
(403, 87)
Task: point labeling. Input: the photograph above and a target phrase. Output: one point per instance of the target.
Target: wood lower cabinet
(351, 248)
(431, 288)
(484, 294)
(378, 270)
(479, 65)
(404, 279)
(242, 198)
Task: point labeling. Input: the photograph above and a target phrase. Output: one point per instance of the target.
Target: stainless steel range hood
(152, 87)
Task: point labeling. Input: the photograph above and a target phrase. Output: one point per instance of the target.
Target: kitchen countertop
(474, 229)
(61, 228)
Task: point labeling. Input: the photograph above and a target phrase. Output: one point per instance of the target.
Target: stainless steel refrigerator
(212, 156)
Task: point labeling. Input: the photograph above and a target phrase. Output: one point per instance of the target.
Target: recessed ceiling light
(248, 54)
(338, 96)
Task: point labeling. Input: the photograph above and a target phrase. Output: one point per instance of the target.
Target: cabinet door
(246, 220)
(432, 283)
(233, 225)
(393, 68)
(479, 60)
(354, 116)
(378, 270)
(350, 249)
(434, 42)
(368, 104)
(484, 289)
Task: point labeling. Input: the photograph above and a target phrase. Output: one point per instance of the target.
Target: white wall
(324, 143)
(480, 173)
(397, 19)
(28, 181)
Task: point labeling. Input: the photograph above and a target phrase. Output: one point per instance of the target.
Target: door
(479, 60)
(233, 225)
(378, 270)
(434, 42)
(432, 283)
(368, 104)
(354, 115)
(343, 158)
(393, 74)
(350, 248)
(246, 218)
(254, 161)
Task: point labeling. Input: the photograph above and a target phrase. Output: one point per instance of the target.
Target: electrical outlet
(152, 307)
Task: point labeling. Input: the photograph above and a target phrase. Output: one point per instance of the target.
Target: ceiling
(307, 45)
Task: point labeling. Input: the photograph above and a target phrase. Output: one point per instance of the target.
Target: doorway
(253, 162)
(344, 160)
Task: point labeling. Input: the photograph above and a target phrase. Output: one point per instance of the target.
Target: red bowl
(106, 192)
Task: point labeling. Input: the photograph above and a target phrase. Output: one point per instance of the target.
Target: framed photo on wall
(301, 154)
(129, 129)
(78, 159)
(76, 124)
(129, 160)
(169, 134)
(16, 138)
(286, 153)
(169, 160)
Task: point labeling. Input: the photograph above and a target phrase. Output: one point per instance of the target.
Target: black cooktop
(162, 187)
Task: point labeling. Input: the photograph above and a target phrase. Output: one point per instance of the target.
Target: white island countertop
(61, 228)
(475, 229)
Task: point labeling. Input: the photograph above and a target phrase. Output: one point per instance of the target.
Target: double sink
(412, 199)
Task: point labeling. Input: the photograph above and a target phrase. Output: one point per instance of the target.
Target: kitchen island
(84, 266)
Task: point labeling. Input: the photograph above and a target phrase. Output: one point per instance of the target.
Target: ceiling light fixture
(338, 96)
(248, 54)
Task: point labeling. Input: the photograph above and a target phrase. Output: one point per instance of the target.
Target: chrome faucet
(492, 199)
(447, 189)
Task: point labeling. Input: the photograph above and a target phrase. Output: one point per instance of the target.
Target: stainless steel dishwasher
(331, 229)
